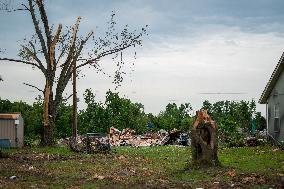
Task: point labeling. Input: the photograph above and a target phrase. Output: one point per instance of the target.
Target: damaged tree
(204, 140)
(56, 52)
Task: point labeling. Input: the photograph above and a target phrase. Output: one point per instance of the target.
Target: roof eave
(272, 81)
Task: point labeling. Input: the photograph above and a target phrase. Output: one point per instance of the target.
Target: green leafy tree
(5, 106)
(228, 133)
(115, 111)
(125, 114)
(63, 121)
(175, 117)
(240, 112)
(95, 117)
(260, 121)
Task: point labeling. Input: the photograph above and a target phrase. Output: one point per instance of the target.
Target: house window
(276, 118)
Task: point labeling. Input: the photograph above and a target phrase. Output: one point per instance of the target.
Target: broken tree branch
(34, 56)
(21, 61)
(67, 98)
(116, 49)
(38, 31)
(44, 21)
(33, 87)
(52, 46)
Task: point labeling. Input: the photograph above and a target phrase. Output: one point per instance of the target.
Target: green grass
(258, 159)
(145, 167)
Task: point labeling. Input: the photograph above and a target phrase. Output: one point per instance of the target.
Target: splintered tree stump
(204, 140)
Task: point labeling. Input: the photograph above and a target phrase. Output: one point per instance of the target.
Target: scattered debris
(92, 143)
(13, 177)
(231, 173)
(99, 177)
(31, 168)
(275, 149)
(251, 141)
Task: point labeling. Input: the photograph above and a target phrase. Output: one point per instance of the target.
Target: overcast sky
(193, 47)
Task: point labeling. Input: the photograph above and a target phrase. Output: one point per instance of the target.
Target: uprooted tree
(55, 52)
(204, 140)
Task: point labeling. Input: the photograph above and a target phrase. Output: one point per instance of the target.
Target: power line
(234, 93)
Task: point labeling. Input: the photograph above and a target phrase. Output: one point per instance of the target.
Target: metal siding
(280, 89)
(7, 131)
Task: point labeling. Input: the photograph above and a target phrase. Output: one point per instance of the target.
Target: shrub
(228, 133)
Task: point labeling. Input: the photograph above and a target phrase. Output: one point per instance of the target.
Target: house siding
(276, 97)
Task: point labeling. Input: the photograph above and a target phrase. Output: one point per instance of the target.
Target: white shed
(11, 129)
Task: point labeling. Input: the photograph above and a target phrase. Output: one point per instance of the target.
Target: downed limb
(33, 87)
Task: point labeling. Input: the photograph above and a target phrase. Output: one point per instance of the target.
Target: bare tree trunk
(48, 132)
(49, 115)
(204, 141)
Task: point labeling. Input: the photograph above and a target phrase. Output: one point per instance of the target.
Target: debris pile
(94, 142)
(91, 143)
(127, 137)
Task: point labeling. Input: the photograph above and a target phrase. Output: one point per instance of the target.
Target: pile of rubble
(127, 137)
(90, 144)
(94, 142)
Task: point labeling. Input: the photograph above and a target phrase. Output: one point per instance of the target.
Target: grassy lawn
(149, 167)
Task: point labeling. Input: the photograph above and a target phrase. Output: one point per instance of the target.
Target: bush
(31, 141)
(228, 133)
(236, 140)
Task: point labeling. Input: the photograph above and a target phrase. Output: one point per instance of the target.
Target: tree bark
(49, 115)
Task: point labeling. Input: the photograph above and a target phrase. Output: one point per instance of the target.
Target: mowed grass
(145, 167)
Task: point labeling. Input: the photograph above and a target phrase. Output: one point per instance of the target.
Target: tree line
(122, 113)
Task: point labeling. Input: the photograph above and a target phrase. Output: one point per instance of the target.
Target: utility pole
(74, 124)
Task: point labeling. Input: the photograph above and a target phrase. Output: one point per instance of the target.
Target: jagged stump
(204, 140)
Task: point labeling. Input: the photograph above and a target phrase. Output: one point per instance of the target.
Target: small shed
(11, 129)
